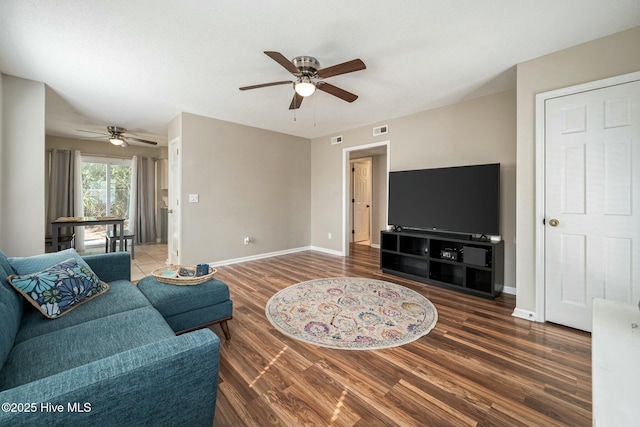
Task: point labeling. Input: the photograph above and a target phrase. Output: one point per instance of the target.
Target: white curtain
(133, 195)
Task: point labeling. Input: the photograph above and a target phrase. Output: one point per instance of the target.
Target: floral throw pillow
(60, 288)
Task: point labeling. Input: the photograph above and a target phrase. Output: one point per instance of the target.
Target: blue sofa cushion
(110, 266)
(36, 263)
(64, 349)
(123, 296)
(60, 288)
(10, 310)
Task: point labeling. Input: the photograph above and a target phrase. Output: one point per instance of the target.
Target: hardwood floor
(479, 366)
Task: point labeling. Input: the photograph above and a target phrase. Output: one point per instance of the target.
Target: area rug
(351, 313)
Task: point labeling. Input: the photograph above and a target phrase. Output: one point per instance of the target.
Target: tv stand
(471, 266)
(436, 233)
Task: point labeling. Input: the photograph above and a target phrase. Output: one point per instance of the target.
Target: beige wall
(250, 182)
(21, 168)
(478, 131)
(606, 57)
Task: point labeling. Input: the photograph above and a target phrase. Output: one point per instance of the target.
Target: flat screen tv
(464, 199)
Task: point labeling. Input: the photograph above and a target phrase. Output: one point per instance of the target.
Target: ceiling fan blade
(282, 60)
(336, 91)
(296, 101)
(90, 131)
(146, 141)
(265, 85)
(344, 68)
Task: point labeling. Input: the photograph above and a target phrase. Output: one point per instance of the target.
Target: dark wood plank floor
(478, 367)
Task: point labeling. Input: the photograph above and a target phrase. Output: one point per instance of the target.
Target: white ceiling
(137, 64)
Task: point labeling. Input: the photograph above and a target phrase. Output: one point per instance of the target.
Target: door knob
(170, 211)
(554, 222)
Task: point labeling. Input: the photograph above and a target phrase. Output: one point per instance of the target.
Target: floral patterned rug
(351, 313)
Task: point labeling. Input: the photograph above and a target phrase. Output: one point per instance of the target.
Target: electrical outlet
(247, 240)
(329, 236)
(193, 198)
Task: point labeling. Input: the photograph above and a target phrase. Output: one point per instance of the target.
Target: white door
(592, 201)
(175, 174)
(361, 201)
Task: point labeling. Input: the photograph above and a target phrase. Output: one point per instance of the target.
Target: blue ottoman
(190, 307)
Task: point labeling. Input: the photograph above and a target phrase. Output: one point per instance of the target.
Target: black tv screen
(464, 199)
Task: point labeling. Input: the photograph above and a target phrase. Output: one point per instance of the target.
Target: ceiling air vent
(336, 140)
(381, 130)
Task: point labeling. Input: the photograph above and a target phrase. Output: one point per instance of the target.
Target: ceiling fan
(119, 136)
(309, 77)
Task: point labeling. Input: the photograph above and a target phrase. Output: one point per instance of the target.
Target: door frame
(174, 190)
(369, 161)
(346, 201)
(540, 126)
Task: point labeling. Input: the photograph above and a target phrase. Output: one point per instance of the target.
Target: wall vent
(381, 130)
(336, 140)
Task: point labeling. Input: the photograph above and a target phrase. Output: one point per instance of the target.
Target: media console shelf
(472, 266)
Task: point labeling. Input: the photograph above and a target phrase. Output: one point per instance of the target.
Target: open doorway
(361, 199)
(368, 221)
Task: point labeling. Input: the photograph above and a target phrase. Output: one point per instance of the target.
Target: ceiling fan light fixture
(116, 140)
(304, 87)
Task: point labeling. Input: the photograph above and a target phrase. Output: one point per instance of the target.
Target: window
(106, 190)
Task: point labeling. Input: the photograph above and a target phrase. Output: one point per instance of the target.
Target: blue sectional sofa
(113, 360)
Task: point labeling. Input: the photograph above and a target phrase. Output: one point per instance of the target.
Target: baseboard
(272, 254)
(259, 256)
(509, 290)
(525, 314)
(375, 245)
(326, 251)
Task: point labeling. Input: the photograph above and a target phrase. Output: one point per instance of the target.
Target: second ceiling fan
(119, 136)
(309, 77)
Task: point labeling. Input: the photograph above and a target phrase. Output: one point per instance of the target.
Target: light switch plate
(193, 198)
